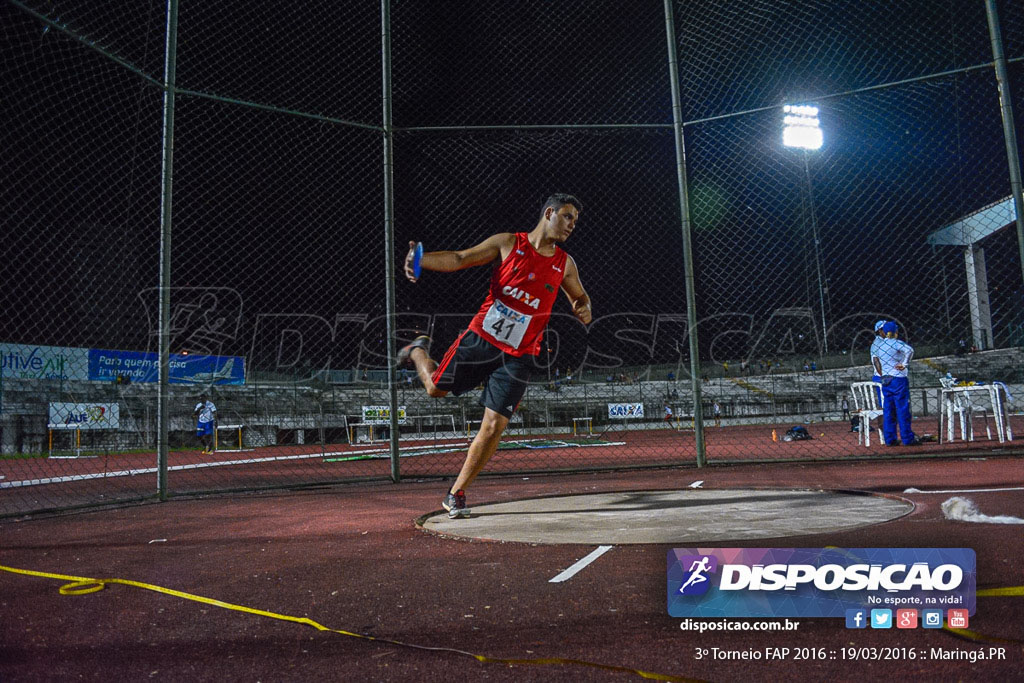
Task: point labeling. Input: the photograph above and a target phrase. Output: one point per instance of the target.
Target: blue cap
(879, 324)
(890, 327)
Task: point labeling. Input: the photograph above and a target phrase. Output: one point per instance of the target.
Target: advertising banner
(143, 366)
(381, 415)
(84, 415)
(26, 361)
(626, 410)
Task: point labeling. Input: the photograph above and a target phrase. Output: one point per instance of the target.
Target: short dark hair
(558, 200)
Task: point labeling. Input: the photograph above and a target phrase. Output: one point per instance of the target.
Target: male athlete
(528, 270)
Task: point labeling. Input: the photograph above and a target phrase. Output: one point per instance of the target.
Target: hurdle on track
(78, 439)
(577, 423)
(442, 425)
(216, 431)
(445, 420)
(354, 431)
(683, 419)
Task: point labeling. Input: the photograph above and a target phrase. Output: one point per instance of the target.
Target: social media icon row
(904, 618)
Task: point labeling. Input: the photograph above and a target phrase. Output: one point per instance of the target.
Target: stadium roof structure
(966, 232)
(976, 226)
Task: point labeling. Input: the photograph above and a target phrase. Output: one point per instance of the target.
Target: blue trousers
(897, 409)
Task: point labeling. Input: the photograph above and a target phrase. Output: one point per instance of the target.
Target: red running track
(285, 465)
(351, 557)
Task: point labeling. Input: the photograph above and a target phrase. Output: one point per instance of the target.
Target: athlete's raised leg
(417, 354)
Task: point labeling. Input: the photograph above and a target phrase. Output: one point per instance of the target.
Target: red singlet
(523, 289)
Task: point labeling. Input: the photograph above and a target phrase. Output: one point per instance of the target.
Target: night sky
(279, 216)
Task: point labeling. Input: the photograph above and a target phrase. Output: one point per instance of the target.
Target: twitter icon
(881, 618)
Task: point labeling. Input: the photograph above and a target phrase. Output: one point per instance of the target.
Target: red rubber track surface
(352, 558)
(285, 465)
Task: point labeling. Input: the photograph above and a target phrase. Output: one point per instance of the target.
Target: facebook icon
(856, 618)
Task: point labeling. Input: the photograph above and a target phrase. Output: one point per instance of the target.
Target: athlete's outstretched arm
(494, 248)
(573, 288)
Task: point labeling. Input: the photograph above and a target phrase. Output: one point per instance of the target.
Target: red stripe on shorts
(449, 354)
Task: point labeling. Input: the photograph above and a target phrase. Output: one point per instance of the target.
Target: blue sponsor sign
(626, 410)
(817, 582)
(142, 366)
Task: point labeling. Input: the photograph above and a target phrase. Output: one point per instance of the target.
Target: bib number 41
(505, 324)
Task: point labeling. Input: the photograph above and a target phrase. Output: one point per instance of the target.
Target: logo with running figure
(695, 580)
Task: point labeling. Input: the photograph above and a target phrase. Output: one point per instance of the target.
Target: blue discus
(417, 258)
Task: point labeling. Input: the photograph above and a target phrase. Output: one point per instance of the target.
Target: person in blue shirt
(205, 414)
(890, 360)
(879, 337)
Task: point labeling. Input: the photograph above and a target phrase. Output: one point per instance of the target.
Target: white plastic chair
(967, 409)
(867, 403)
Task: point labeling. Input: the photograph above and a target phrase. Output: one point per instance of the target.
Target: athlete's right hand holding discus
(410, 266)
(494, 248)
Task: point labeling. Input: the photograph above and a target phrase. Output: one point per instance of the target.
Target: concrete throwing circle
(687, 516)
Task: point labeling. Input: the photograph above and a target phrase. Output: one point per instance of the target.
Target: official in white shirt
(891, 360)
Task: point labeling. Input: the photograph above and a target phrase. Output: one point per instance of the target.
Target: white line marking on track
(151, 470)
(697, 484)
(225, 463)
(1014, 488)
(573, 570)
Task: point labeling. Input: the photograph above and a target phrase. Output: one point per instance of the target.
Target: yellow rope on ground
(81, 585)
(1009, 591)
(1015, 591)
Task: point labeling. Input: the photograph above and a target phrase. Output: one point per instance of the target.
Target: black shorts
(471, 361)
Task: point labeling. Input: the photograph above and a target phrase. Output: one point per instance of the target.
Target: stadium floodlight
(801, 127)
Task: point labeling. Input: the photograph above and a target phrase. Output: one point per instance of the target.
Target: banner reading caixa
(626, 410)
(817, 582)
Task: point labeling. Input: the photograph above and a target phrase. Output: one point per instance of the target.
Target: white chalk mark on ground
(964, 510)
(575, 569)
(1014, 488)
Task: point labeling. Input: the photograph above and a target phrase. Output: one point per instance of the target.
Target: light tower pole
(801, 129)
